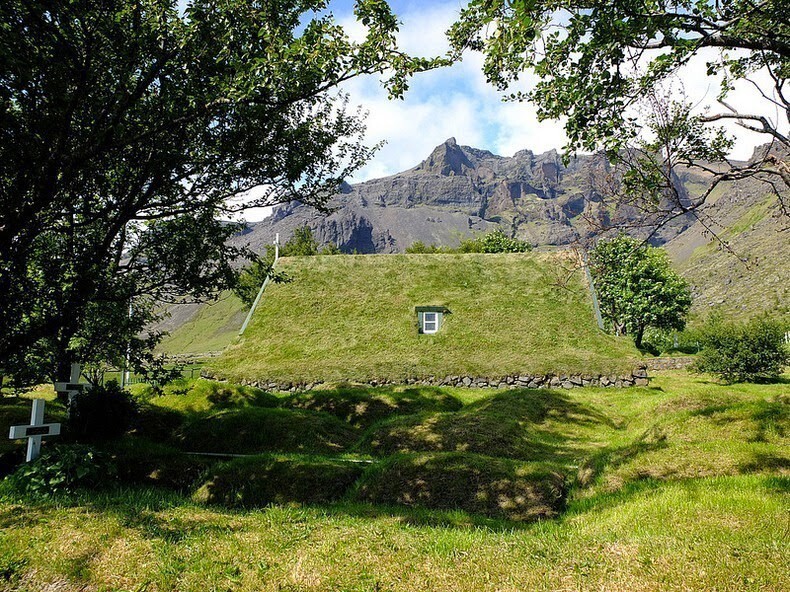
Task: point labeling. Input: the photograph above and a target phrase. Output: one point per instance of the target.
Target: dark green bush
(65, 468)
(751, 352)
(261, 480)
(495, 487)
(101, 413)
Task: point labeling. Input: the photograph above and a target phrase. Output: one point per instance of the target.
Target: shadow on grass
(769, 417)
(493, 487)
(610, 458)
(364, 406)
(524, 424)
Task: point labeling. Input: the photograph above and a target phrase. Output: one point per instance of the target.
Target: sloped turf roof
(353, 318)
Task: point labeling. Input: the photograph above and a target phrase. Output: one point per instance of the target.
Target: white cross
(73, 386)
(35, 431)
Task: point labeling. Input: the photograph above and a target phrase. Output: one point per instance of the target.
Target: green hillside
(748, 277)
(353, 318)
(210, 327)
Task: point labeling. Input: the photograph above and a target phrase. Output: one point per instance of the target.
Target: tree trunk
(638, 337)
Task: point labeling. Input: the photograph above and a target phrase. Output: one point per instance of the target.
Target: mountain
(457, 191)
(736, 255)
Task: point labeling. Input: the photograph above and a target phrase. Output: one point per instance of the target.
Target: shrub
(261, 480)
(495, 487)
(497, 242)
(101, 413)
(64, 468)
(751, 352)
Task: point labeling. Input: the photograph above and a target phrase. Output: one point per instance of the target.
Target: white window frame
(434, 322)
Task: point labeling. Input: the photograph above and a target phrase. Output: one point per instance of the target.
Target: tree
(301, 244)
(637, 288)
(750, 352)
(599, 63)
(129, 128)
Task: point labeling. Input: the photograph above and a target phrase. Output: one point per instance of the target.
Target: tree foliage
(129, 128)
(599, 64)
(637, 288)
(747, 352)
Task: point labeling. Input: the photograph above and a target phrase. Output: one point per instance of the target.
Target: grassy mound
(494, 487)
(363, 406)
(261, 480)
(198, 396)
(145, 463)
(519, 424)
(348, 318)
(256, 430)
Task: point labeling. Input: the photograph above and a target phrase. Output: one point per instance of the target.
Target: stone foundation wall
(637, 377)
(668, 363)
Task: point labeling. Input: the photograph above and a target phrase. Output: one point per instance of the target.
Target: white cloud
(458, 102)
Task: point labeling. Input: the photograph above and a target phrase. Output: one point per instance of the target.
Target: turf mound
(495, 487)
(364, 406)
(258, 430)
(511, 424)
(141, 462)
(261, 480)
(353, 318)
(198, 396)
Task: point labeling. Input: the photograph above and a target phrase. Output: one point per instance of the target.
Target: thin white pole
(263, 286)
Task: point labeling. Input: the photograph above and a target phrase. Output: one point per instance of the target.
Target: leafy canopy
(637, 287)
(604, 67)
(129, 128)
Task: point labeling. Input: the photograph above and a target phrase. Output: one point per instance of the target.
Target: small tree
(750, 352)
(637, 288)
(301, 244)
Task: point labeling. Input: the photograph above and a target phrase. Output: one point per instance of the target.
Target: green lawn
(682, 485)
(353, 318)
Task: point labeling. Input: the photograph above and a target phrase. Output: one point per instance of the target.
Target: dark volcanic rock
(454, 193)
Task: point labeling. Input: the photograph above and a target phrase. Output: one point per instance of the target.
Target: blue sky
(457, 101)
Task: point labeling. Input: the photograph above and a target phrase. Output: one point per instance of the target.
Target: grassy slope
(682, 485)
(751, 277)
(212, 327)
(352, 317)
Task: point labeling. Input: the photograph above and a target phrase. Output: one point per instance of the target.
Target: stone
(555, 381)
(641, 382)
(567, 384)
(467, 381)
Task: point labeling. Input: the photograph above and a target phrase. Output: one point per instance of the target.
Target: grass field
(682, 485)
(353, 318)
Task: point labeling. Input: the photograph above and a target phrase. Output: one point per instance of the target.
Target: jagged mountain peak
(447, 159)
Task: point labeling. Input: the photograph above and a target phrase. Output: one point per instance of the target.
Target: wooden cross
(73, 386)
(35, 431)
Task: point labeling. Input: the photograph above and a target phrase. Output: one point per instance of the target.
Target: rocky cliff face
(452, 194)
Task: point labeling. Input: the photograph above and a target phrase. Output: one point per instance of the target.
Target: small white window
(430, 322)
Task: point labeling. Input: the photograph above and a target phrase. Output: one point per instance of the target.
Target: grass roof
(353, 318)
